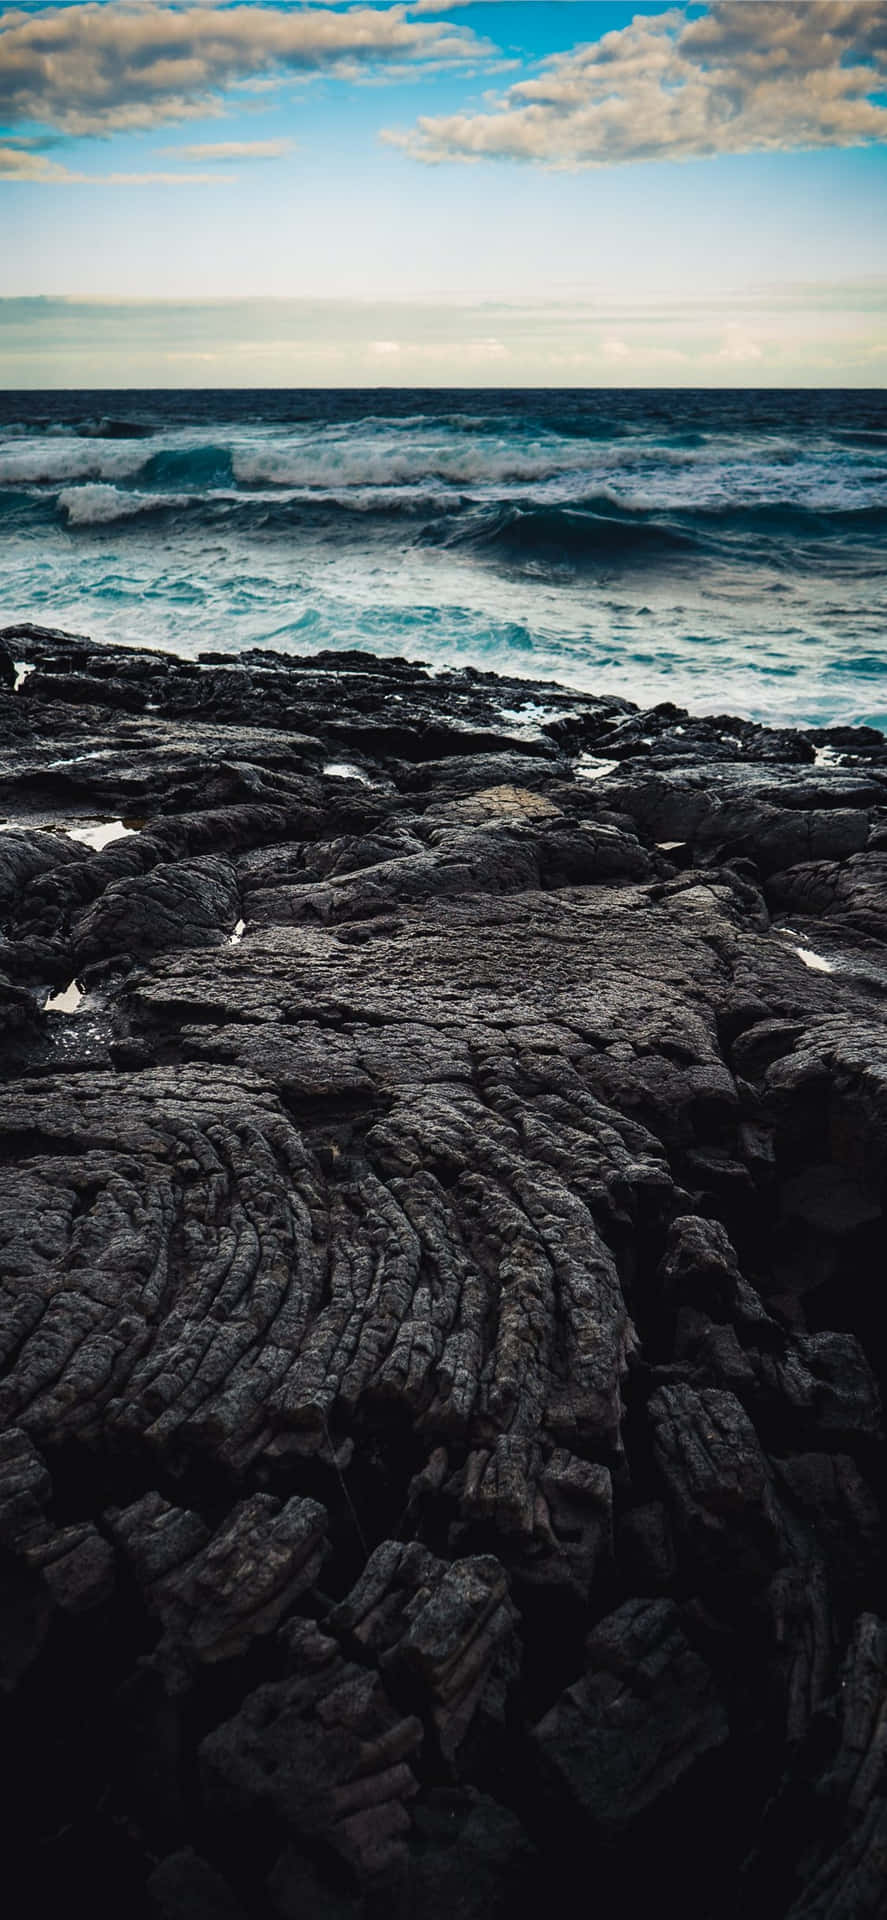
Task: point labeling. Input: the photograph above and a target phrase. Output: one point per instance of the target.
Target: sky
(488, 193)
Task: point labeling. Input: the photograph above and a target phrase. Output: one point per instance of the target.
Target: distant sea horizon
(722, 549)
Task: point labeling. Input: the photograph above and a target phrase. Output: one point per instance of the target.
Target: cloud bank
(749, 75)
(802, 335)
(97, 68)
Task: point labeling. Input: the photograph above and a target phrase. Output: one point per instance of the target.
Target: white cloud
(474, 350)
(25, 163)
(739, 346)
(153, 179)
(97, 67)
(748, 75)
(22, 163)
(641, 353)
(236, 150)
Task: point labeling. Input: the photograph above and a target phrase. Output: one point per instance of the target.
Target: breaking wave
(523, 530)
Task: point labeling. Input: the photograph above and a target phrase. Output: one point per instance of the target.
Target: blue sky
(489, 193)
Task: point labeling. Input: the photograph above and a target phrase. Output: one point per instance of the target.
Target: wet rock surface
(441, 1271)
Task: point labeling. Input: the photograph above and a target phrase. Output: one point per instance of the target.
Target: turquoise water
(727, 551)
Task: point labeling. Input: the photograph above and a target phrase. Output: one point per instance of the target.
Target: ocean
(724, 550)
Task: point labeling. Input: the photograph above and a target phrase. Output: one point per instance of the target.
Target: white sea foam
(53, 461)
(362, 463)
(375, 454)
(94, 505)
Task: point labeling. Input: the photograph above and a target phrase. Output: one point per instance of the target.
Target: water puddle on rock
(531, 717)
(815, 961)
(343, 770)
(77, 759)
(100, 833)
(589, 768)
(66, 1001)
(94, 834)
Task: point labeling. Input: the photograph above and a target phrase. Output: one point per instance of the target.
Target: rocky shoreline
(441, 1248)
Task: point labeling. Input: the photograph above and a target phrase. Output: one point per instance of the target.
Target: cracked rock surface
(443, 1154)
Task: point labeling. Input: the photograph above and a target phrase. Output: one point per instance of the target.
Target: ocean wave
(114, 429)
(361, 464)
(643, 475)
(674, 474)
(95, 505)
(19, 503)
(313, 465)
(191, 468)
(603, 529)
(87, 427)
(844, 516)
(54, 462)
(573, 536)
(866, 437)
(587, 529)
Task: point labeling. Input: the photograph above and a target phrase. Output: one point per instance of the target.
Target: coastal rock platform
(443, 1155)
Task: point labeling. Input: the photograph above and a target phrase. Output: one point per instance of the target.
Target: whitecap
(94, 505)
(41, 463)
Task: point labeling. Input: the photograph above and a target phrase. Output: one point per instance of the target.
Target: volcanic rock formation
(443, 1150)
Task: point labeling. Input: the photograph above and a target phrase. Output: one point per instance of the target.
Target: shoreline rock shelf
(441, 1248)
